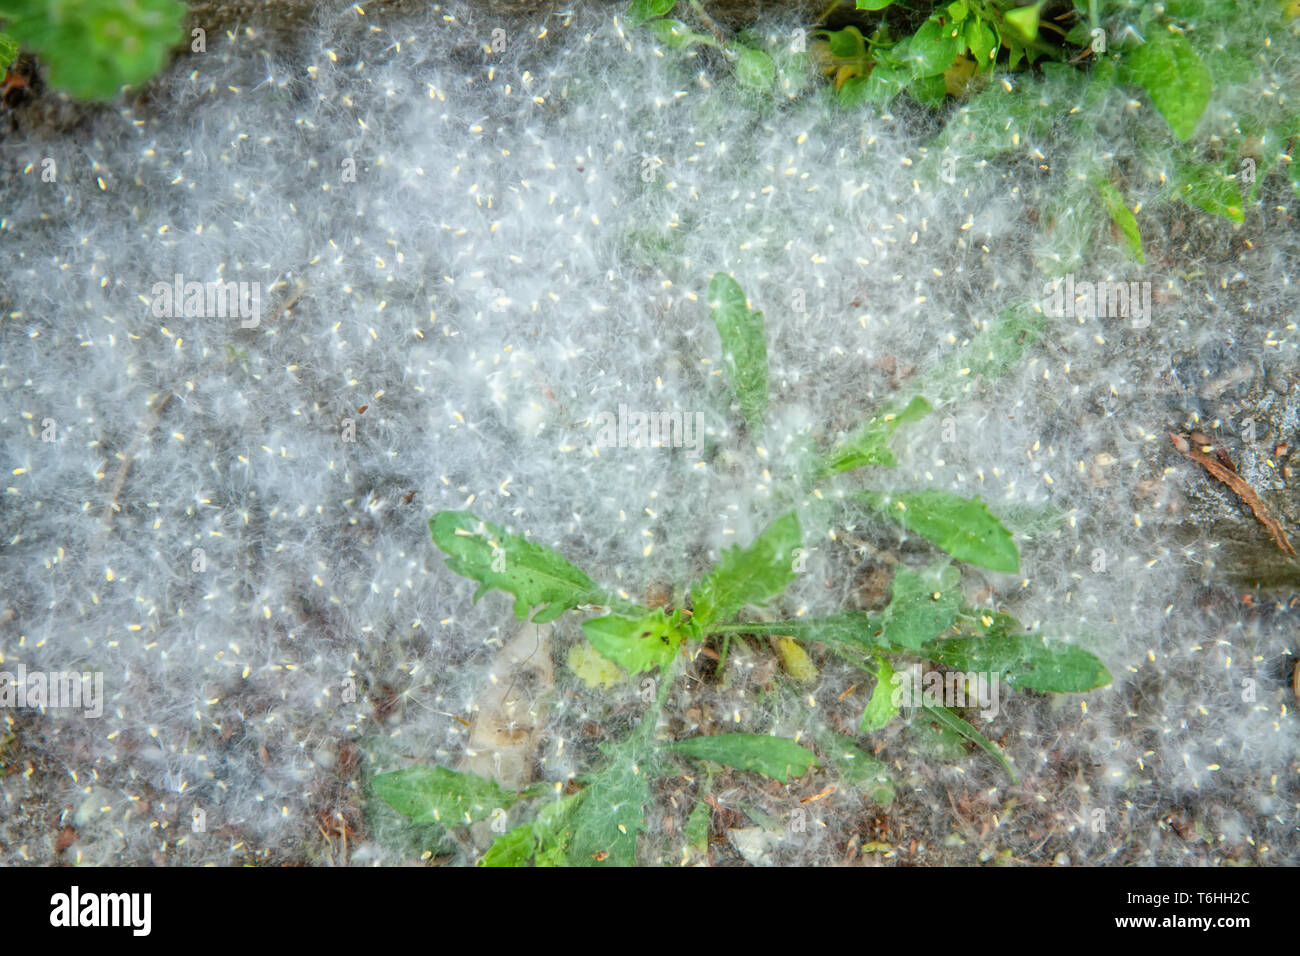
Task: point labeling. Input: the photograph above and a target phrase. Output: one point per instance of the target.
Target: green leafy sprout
(926, 619)
(1171, 56)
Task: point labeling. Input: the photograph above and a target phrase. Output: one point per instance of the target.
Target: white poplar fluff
(490, 247)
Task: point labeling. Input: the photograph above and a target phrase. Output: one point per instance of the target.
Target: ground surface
(324, 639)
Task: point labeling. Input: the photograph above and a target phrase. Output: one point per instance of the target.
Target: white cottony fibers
(465, 257)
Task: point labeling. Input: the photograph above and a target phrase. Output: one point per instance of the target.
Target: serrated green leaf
(775, 757)
(950, 721)
(639, 11)
(1177, 82)
(508, 562)
(752, 575)
(923, 604)
(542, 840)
(606, 823)
(1123, 217)
(636, 643)
(744, 347)
(881, 709)
(439, 795)
(870, 444)
(552, 827)
(756, 71)
(1025, 661)
(964, 527)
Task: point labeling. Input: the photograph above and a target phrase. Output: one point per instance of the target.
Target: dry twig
(1228, 475)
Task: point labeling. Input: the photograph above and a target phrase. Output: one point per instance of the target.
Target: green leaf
(636, 644)
(870, 444)
(935, 741)
(552, 828)
(950, 721)
(755, 70)
(1122, 217)
(542, 840)
(752, 575)
(923, 604)
(964, 527)
(958, 10)
(932, 48)
(775, 757)
(856, 91)
(873, 4)
(439, 795)
(1024, 661)
(91, 48)
(611, 813)
(642, 10)
(847, 44)
(1209, 189)
(513, 848)
(881, 709)
(697, 828)
(981, 622)
(885, 82)
(929, 90)
(853, 631)
(744, 347)
(1024, 22)
(982, 42)
(677, 35)
(990, 354)
(508, 562)
(1175, 79)
(858, 768)
(8, 51)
